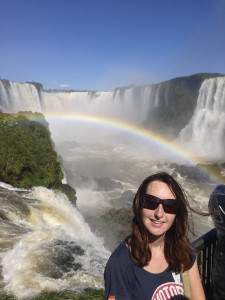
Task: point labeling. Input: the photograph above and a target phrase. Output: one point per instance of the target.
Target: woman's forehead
(160, 189)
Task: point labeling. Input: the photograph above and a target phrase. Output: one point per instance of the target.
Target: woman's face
(157, 221)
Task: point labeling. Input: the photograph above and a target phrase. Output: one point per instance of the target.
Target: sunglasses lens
(170, 206)
(151, 202)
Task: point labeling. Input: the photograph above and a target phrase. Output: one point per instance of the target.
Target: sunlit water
(46, 243)
(129, 166)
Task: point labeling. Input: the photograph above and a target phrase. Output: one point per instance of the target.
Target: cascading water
(132, 106)
(15, 96)
(46, 244)
(135, 104)
(131, 103)
(205, 134)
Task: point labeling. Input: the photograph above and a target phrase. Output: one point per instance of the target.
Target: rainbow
(129, 128)
(140, 132)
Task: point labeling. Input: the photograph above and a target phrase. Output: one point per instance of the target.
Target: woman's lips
(157, 223)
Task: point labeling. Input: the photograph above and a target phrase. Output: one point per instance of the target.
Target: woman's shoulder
(121, 254)
(121, 251)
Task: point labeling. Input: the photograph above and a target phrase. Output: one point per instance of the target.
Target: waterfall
(15, 97)
(170, 108)
(131, 104)
(46, 244)
(205, 133)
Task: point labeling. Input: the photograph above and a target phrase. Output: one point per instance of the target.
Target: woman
(147, 265)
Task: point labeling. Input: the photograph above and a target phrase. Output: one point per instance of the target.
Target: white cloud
(64, 85)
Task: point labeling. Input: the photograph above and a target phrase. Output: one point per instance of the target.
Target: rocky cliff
(27, 155)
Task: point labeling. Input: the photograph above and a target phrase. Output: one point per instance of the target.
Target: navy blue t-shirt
(126, 281)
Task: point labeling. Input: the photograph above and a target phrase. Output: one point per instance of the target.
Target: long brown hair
(177, 250)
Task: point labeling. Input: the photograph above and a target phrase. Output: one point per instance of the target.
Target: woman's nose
(159, 211)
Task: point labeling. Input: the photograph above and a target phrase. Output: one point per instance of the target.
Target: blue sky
(103, 44)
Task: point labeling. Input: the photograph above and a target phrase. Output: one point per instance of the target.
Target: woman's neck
(157, 263)
(156, 241)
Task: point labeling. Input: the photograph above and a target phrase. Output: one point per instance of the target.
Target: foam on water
(56, 228)
(10, 187)
(51, 247)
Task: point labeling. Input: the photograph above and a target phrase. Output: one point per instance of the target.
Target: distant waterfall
(15, 96)
(141, 99)
(130, 103)
(170, 108)
(206, 130)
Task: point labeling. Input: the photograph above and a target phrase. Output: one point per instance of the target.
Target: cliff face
(176, 100)
(27, 156)
(166, 107)
(175, 109)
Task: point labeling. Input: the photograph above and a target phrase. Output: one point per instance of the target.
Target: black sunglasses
(151, 202)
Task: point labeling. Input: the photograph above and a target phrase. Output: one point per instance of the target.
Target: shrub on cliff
(114, 226)
(27, 157)
(62, 295)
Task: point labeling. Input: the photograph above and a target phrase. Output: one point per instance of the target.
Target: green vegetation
(6, 296)
(62, 295)
(69, 191)
(118, 224)
(92, 295)
(215, 170)
(121, 216)
(114, 226)
(27, 157)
